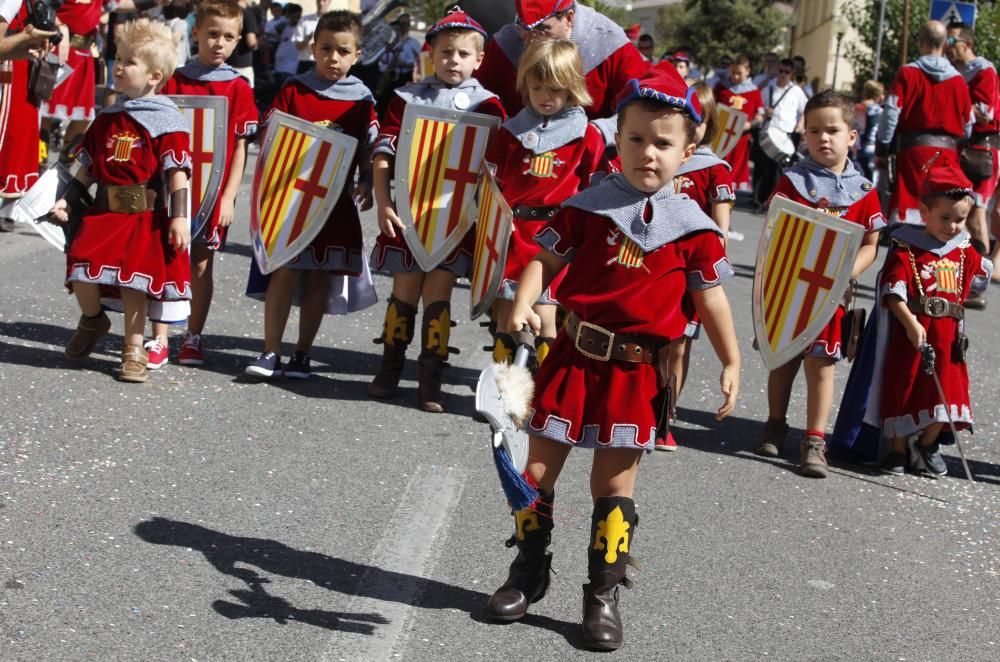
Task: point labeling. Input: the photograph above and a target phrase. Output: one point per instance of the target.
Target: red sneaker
(191, 353)
(668, 444)
(159, 353)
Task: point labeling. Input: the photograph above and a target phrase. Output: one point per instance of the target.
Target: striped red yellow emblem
(542, 165)
(123, 144)
(946, 275)
(629, 254)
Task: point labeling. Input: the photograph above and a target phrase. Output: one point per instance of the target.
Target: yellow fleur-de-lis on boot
(438, 333)
(396, 326)
(527, 521)
(614, 532)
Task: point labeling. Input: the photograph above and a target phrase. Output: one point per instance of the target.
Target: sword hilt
(525, 346)
(928, 358)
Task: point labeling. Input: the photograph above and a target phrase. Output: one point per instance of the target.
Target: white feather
(517, 389)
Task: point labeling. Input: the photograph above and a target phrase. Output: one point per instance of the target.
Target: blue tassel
(520, 494)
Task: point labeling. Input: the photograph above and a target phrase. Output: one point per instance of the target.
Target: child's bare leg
(277, 305)
(88, 296)
(930, 434)
(314, 297)
(437, 286)
(545, 461)
(547, 312)
(819, 392)
(613, 472)
(407, 286)
(779, 389)
(501, 312)
(202, 287)
(680, 357)
(135, 305)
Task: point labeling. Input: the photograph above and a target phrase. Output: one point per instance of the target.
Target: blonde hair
(153, 43)
(708, 114)
(872, 90)
(554, 62)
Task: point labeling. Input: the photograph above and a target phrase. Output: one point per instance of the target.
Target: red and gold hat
(662, 83)
(941, 181)
(530, 13)
(456, 19)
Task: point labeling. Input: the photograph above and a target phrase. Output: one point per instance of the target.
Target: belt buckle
(604, 332)
(128, 199)
(936, 306)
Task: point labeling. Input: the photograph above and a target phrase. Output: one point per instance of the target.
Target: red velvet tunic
(74, 98)
(984, 90)
(338, 245)
(524, 181)
(18, 126)
(393, 255)
(596, 404)
(910, 399)
(866, 212)
(604, 82)
(242, 124)
(130, 250)
(925, 107)
(739, 158)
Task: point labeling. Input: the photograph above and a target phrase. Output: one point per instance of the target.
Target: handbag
(976, 163)
(41, 80)
(852, 327)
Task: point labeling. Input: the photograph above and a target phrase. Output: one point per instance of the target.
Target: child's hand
(179, 235)
(524, 314)
(59, 212)
(729, 383)
(227, 210)
(363, 196)
(388, 221)
(916, 333)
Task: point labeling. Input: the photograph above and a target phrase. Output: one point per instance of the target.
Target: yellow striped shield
(493, 227)
(730, 129)
(301, 171)
(438, 158)
(804, 263)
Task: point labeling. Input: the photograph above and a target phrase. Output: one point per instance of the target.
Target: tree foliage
(710, 29)
(864, 15)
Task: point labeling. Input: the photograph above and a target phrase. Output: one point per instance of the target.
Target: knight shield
(207, 116)
(493, 227)
(301, 171)
(731, 123)
(804, 263)
(437, 170)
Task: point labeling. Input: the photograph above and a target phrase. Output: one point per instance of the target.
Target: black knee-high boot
(397, 333)
(434, 350)
(529, 573)
(611, 536)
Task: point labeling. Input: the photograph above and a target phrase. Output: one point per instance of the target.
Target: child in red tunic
(925, 281)
(456, 51)
(708, 180)
(826, 180)
(543, 155)
(128, 244)
(631, 248)
(740, 93)
(216, 31)
(329, 96)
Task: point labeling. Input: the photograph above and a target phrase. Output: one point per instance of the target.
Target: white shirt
(9, 10)
(304, 31)
(786, 114)
(286, 56)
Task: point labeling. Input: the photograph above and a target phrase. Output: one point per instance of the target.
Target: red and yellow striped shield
(493, 227)
(731, 123)
(207, 117)
(437, 171)
(804, 264)
(301, 171)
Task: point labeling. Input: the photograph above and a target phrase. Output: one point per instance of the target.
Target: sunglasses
(954, 40)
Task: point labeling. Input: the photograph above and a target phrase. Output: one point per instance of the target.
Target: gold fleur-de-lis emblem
(438, 332)
(527, 520)
(614, 532)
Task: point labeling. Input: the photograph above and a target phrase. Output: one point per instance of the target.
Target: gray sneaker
(812, 457)
(773, 442)
(927, 459)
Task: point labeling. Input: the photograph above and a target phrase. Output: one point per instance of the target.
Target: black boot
(434, 334)
(542, 346)
(397, 333)
(612, 530)
(503, 348)
(529, 573)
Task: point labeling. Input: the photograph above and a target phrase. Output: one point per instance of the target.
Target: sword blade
(951, 424)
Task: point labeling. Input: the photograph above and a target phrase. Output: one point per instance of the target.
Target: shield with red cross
(207, 117)
(731, 123)
(494, 224)
(301, 170)
(804, 263)
(437, 172)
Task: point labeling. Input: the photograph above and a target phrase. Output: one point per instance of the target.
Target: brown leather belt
(937, 307)
(944, 141)
(600, 344)
(985, 140)
(82, 42)
(534, 213)
(125, 199)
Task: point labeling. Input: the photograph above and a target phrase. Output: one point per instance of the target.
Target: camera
(42, 16)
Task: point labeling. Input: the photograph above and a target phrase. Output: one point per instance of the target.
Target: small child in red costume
(631, 248)
(456, 52)
(925, 281)
(128, 245)
(543, 155)
(741, 94)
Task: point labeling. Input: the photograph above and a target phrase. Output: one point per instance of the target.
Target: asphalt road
(205, 517)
